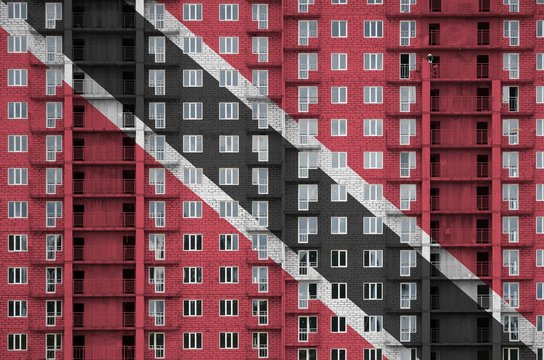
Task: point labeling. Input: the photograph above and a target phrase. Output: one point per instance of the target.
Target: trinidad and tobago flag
(315, 269)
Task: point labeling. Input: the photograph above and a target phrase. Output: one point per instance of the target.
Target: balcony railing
(483, 301)
(104, 186)
(459, 138)
(435, 302)
(482, 202)
(103, 219)
(482, 268)
(111, 287)
(103, 352)
(435, 335)
(461, 235)
(460, 104)
(480, 170)
(101, 53)
(482, 335)
(103, 320)
(89, 87)
(125, 120)
(98, 254)
(441, 71)
(103, 153)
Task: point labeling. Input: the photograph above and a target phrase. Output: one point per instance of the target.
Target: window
(306, 62)
(539, 291)
(17, 308)
(192, 341)
(307, 193)
(259, 276)
(259, 145)
(17, 77)
(407, 163)
(339, 160)
(339, 2)
(192, 176)
(156, 343)
(17, 11)
(372, 354)
(192, 307)
(228, 143)
(339, 258)
(156, 14)
(192, 209)
(53, 178)
(192, 242)
(53, 245)
(192, 111)
(408, 326)
(228, 176)
(339, 193)
(53, 145)
(306, 325)
(259, 112)
(157, 245)
(17, 44)
(372, 225)
(510, 129)
(539, 192)
(539, 323)
(192, 275)
(511, 294)
(260, 81)
(228, 111)
(510, 225)
(339, 290)
(373, 127)
(17, 275)
(192, 44)
(53, 210)
(228, 340)
(510, 354)
(53, 45)
(260, 342)
(228, 307)
(228, 242)
(407, 130)
(228, 45)
(53, 310)
(157, 112)
(373, 94)
(53, 343)
(373, 61)
(408, 293)
(407, 195)
(259, 243)
(375, 2)
(53, 13)
(17, 110)
(339, 61)
(373, 160)
(372, 258)
(228, 12)
(228, 209)
(307, 259)
(306, 160)
(228, 275)
(407, 97)
(338, 324)
(157, 278)
(192, 78)
(259, 13)
(157, 80)
(510, 161)
(540, 28)
(540, 159)
(510, 194)
(307, 95)
(17, 209)
(408, 260)
(540, 61)
(540, 258)
(511, 31)
(307, 29)
(157, 180)
(260, 309)
(373, 192)
(17, 342)
(408, 229)
(157, 211)
(259, 210)
(373, 323)
(17, 176)
(228, 78)
(511, 327)
(259, 178)
(540, 94)
(306, 226)
(339, 225)
(156, 311)
(192, 12)
(17, 242)
(373, 28)
(339, 127)
(339, 29)
(53, 113)
(407, 32)
(339, 95)
(192, 143)
(372, 291)
(306, 292)
(259, 46)
(511, 64)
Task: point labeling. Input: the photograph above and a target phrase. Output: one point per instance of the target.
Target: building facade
(310, 179)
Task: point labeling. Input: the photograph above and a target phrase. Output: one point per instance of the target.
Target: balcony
(458, 8)
(104, 220)
(103, 352)
(93, 187)
(91, 88)
(482, 335)
(96, 21)
(124, 121)
(451, 73)
(435, 302)
(103, 320)
(435, 335)
(450, 138)
(483, 301)
(459, 236)
(459, 172)
(102, 287)
(452, 105)
(98, 255)
(101, 54)
(482, 268)
(459, 207)
(103, 154)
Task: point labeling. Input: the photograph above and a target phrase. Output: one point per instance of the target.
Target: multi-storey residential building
(309, 179)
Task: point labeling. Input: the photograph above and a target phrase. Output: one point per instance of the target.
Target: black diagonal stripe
(460, 313)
